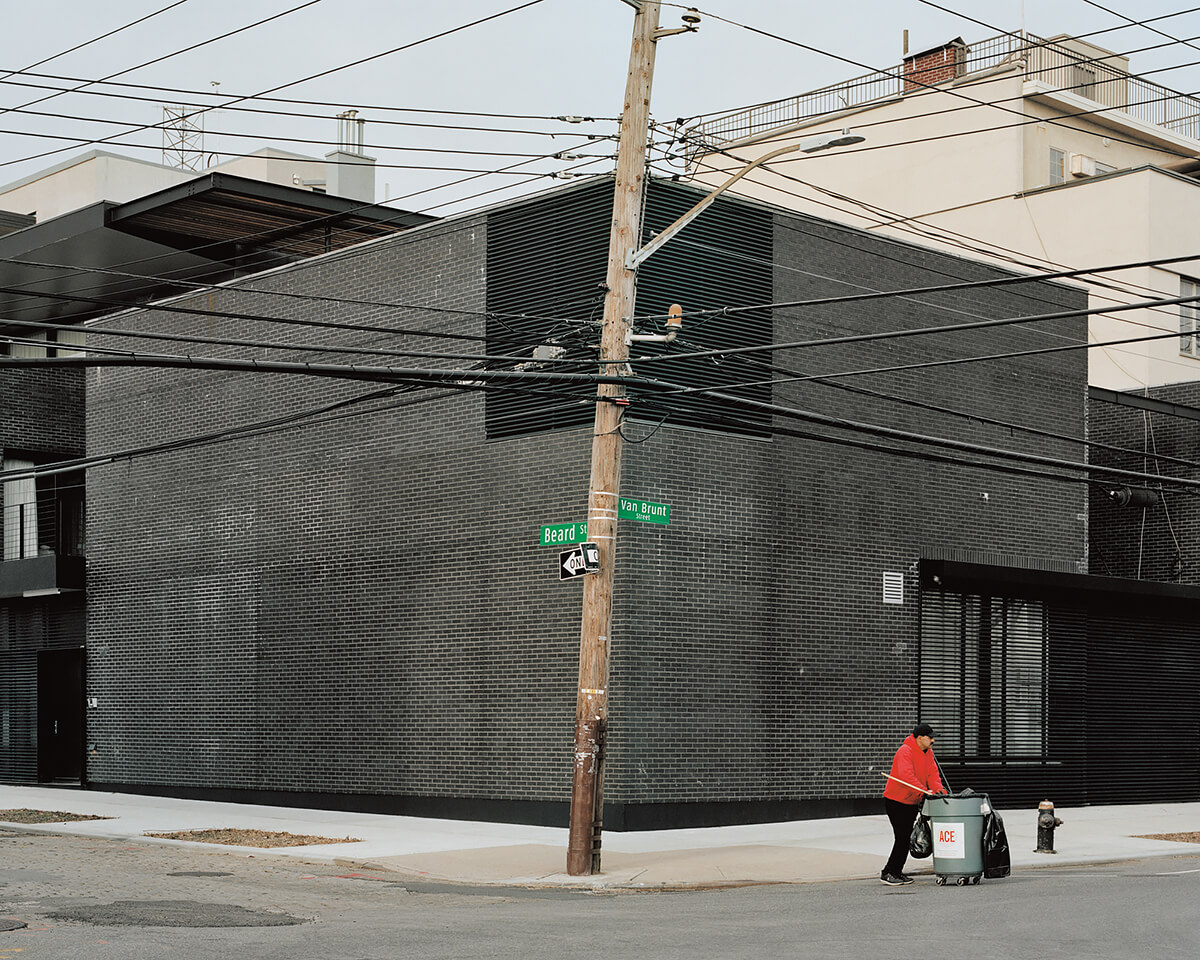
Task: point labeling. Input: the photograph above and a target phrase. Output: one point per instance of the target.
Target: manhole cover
(7, 924)
(173, 913)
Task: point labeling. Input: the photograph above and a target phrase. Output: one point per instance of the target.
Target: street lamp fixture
(822, 141)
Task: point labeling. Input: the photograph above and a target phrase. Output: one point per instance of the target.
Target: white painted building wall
(978, 180)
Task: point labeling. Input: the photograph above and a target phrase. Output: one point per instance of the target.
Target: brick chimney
(935, 66)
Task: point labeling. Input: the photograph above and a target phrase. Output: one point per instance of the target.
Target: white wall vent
(893, 588)
(1082, 166)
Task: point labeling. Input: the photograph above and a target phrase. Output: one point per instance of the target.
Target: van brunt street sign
(554, 534)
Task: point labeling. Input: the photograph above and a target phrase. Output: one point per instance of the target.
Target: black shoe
(894, 881)
(906, 878)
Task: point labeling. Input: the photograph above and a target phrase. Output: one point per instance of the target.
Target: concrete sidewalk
(511, 854)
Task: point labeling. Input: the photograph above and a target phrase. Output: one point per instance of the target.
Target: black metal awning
(207, 230)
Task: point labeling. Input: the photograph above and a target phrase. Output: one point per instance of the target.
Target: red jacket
(915, 767)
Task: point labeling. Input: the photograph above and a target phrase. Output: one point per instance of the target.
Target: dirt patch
(44, 816)
(1193, 837)
(251, 838)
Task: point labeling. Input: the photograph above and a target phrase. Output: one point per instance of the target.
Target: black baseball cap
(922, 730)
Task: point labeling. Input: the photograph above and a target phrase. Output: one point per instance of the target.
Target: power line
(950, 92)
(944, 235)
(916, 331)
(833, 383)
(250, 262)
(283, 86)
(471, 378)
(167, 56)
(103, 36)
(1080, 36)
(313, 103)
(308, 141)
(375, 121)
(78, 141)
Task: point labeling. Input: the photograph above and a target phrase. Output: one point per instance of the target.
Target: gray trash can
(957, 826)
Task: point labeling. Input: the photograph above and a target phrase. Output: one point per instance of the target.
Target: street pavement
(471, 852)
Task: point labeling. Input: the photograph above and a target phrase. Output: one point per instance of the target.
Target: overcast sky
(553, 58)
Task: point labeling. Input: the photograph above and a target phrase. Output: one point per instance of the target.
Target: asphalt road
(95, 899)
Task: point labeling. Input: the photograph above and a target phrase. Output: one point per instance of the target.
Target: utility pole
(591, 706)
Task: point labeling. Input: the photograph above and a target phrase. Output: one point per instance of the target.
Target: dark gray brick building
(337, 593)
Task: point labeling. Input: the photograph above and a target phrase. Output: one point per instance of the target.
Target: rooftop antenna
(183, 136)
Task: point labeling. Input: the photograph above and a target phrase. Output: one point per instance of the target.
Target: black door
(60, 716)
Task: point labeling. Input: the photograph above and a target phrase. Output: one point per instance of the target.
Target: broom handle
(927, 793)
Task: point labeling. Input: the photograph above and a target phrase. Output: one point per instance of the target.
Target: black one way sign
(571, 564)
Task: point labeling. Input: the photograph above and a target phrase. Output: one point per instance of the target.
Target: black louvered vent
(18, 717)
(546, 263)
(1072, 700)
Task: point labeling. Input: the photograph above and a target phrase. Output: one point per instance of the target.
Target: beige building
(1047, 154)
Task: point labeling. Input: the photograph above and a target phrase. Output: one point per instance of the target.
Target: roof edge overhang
(968, 577)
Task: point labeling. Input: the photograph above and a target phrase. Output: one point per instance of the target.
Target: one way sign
(570, 564)
(584, 558)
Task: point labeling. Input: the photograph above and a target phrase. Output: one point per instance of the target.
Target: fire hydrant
(1046, 822)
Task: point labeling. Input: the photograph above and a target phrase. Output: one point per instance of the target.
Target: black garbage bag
(996, 860)
(920, 841)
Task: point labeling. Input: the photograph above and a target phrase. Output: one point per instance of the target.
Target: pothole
(200, 873)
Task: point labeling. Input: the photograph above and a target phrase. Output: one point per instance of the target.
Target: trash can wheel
(939, 880)
(961, 881)
(974, 881)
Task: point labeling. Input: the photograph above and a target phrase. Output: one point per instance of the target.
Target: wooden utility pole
(591, 706)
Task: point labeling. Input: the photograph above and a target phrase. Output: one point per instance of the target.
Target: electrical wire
(471, 378)
(1120, 286)
(283, 86)
(103, 36)
(1079, 36)
(269, 258)
(168, 56)
(159, 89)
(932, 87)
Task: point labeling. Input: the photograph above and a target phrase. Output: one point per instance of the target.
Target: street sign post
(646, 510)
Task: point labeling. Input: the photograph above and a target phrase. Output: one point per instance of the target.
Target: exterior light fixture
(827, 141)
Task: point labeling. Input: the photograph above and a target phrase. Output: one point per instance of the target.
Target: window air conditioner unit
(1082, 166)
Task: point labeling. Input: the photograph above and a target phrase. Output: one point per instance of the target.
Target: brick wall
(1155, 543)
(361, 606)
(41, 411)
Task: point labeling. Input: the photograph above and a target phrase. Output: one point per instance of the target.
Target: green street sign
(647, 510)
(557, 533)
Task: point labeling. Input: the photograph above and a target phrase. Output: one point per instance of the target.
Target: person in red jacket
(914, 776)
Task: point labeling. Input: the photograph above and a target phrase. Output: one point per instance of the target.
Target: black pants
(902, 816)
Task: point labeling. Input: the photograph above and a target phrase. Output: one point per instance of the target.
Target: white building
(1047, 153)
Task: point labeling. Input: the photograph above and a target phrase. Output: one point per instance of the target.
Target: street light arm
(812, 145)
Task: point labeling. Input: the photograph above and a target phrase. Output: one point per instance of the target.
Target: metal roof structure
(210, 229)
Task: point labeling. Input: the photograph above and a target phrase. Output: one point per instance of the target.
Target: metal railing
(44, 526)
(1053, 64)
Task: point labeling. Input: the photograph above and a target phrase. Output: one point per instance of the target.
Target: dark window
(984, 675)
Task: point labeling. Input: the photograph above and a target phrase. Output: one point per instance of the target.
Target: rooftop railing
(1053, 64)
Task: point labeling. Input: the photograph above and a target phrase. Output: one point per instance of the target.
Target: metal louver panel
(1077, 698)
(546, 266)
(18, 717)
